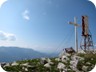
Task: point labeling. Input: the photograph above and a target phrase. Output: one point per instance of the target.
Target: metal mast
(87, 42)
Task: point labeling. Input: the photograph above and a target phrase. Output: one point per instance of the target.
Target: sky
(43, 24)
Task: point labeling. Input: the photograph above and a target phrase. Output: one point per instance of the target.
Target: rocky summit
(65, 62)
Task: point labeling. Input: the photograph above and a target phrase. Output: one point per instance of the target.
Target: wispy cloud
(7, 36)
(26, 15)
(2, 2)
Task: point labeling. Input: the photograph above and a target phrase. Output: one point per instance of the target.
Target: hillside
(65, 63)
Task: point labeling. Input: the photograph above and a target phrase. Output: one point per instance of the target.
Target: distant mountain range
(10, 54)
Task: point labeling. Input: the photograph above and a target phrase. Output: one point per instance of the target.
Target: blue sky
(43, 24)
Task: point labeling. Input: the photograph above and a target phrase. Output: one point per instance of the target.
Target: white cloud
(94, 2)
(26, 15)
(2, 2)
(7, 36)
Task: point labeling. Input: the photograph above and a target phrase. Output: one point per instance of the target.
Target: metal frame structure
(86, 42)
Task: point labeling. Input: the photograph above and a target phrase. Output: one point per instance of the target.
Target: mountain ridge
(10, 54)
